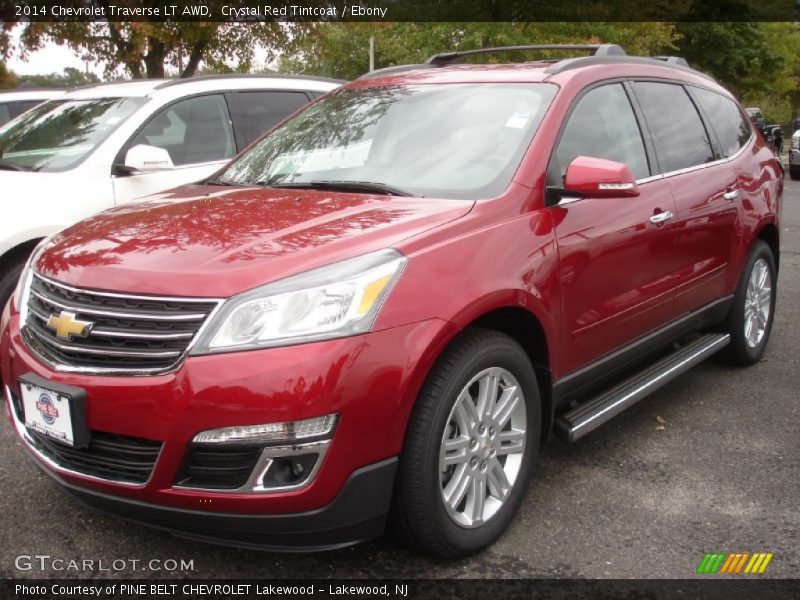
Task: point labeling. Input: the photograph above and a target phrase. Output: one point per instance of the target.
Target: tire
(794, 172)
(748, 344)
(10, 271)
(419, 513)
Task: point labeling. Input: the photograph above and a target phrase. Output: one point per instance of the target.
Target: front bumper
(357, 514)
(370, 381)
(794, 157)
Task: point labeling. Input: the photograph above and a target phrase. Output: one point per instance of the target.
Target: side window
(17, 108)
(727, 120)
(5, 115)
(194, 130)
(603, 125)
(679, 135)
(259, 111)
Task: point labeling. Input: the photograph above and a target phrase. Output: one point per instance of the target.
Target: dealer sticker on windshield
(518, 120)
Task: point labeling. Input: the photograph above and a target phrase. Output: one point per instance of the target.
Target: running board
(576, 423)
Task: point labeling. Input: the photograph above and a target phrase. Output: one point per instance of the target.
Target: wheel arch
(508, 314)
(769, 233)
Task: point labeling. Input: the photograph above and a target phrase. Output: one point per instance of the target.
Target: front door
(616, 254)
(198, 134)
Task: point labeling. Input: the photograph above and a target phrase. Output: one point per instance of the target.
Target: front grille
(108, 456)
(139, 333)
(218, 467)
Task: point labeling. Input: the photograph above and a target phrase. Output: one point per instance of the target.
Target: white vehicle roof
(175, 88)
(22, 95)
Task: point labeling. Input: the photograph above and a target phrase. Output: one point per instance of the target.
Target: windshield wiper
(218, 182)
(353, 186)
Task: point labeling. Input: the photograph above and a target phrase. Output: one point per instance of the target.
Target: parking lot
(629, 500)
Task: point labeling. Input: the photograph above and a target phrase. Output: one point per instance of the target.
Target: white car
(97, 147)
(20, 100)
(794, 156)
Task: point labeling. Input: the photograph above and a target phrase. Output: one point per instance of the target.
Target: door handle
(731, 194)
(661, 217)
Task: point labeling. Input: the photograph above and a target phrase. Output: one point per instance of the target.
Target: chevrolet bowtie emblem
(67, 327)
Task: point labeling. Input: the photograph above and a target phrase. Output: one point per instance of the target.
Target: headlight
(22, 291)
(335, 301)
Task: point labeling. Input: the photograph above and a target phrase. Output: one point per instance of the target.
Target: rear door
(615, 261)
(704, 187)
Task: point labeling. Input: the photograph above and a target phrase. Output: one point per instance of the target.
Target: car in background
(101, 146)
(17, 101)
(794, 156)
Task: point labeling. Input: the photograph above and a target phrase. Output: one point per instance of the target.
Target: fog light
(271, 433)
(289, 471)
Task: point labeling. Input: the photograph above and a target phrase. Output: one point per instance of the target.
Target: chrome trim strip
(115, 314)
(22, 431)
(254, 485)
(632, 396)
(140, 335)
(35, 347)
(714, 163)
(110, 352)
(135, 334)
(154, 298)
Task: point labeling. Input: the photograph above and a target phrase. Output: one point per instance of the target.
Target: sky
(52, 58)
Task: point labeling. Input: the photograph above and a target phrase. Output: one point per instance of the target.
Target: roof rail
(675, 62)
(598, 49)
(393, 70)
(180, 81)
(678, 61)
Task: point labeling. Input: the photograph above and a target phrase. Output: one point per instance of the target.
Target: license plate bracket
(55, 410)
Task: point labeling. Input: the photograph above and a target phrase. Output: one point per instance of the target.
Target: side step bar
(575, 424)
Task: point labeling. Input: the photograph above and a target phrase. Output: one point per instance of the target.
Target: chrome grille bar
(127, 333)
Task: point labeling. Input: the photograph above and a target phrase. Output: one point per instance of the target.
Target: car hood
(215, 242)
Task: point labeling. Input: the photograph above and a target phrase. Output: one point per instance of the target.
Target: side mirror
(146, 159)
(599, 178)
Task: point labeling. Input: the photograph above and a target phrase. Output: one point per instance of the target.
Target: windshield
(59, 134)
(444, 141)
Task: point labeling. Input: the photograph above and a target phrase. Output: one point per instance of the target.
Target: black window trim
(709, 126)
(711, 138)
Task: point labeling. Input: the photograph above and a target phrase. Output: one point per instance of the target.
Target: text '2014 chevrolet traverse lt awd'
(381, 309)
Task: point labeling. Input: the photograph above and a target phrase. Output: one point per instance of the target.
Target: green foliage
(7, 78)
(71, 77)
(341, 49)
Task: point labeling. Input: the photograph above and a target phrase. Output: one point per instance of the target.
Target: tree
(148, 48)
(7, 78)
(71, 77)
(341, 49)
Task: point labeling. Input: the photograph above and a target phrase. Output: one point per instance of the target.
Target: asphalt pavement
(631, 500)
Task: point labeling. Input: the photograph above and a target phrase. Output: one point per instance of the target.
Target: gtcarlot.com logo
(46, 562)
(735, 563)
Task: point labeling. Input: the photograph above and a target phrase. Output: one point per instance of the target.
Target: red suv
(383, 307)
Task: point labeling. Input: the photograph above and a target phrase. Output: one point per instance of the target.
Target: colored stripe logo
(733, 563)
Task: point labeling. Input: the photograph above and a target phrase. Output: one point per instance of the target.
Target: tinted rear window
(679, 135)
(730, 125)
